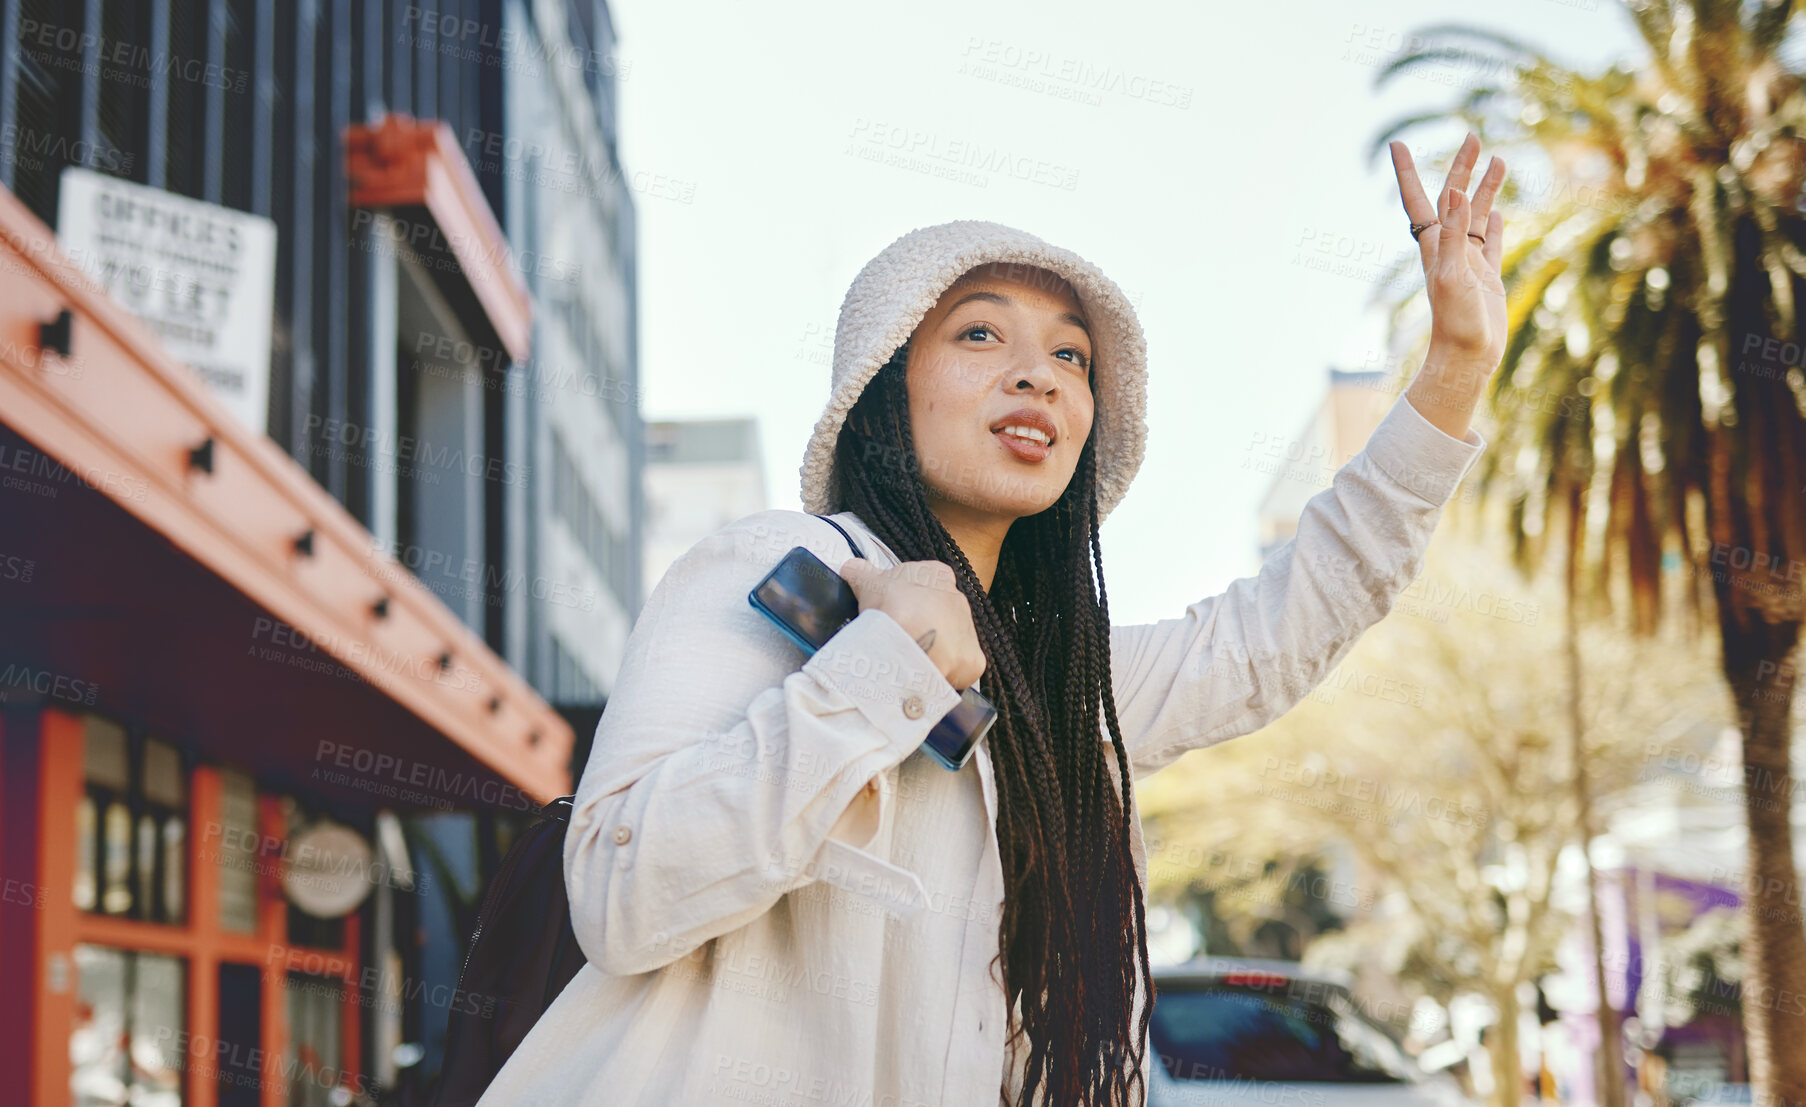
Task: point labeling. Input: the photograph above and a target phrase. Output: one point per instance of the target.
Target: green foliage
(1649, 391)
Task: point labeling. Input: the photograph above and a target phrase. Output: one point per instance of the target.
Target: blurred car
(1234, 1030)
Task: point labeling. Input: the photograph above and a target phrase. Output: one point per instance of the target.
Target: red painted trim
(272, 927)
(61, 737)
(204, 813)
(407, 162)
(351, 1018)
(22, 909)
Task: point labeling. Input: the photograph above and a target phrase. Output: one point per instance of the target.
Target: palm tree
(1651, 404)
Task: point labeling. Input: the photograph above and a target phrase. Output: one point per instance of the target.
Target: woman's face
(1005, 345)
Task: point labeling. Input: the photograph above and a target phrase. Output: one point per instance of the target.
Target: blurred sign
(328, 870)
(202, 276)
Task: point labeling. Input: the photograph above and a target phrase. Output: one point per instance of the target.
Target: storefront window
(117, 846)
(238, 853)
(147, 857)
(175, 867)
(315, 1006)
(165, 823)
(125, 1045)
(85, 829)
(165, 784)
(132, 826)
(104, 757)
(240, 1068)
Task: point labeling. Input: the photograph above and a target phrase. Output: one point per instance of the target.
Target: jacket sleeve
(725, 760)
(1236, 661)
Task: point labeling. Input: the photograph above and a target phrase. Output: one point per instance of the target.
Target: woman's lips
(1023, 448)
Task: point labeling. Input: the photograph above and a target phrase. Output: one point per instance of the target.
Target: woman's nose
(1036, 372)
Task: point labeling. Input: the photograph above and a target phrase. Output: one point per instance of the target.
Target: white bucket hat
(897, 289)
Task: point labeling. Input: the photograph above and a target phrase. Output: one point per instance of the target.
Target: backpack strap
(843, 533)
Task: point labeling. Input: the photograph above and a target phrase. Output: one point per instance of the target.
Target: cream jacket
(782, 902)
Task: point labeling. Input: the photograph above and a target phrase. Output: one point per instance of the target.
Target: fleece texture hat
(897, 289)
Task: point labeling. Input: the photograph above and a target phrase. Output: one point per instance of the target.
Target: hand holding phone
(809, 602)
(925, 600)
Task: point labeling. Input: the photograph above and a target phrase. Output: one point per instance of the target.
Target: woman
(780, 901)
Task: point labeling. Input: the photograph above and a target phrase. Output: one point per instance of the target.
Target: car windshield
(1216, 1031)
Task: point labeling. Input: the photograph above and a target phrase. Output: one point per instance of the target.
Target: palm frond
(1671, 230)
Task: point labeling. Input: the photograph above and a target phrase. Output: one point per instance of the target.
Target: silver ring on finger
(1418, 229)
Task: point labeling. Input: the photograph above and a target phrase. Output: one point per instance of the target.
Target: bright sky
(760, 113)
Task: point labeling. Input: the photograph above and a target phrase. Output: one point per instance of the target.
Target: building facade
(570, 211)
(320, 521)
(1304, 464)
(701, 474)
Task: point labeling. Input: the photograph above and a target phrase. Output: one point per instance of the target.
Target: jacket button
(913, 707)
(622, 834)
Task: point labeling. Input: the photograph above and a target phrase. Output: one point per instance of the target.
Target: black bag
(521, 955)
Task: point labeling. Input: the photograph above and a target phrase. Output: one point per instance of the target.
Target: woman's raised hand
(1461, 273)
(925, 600)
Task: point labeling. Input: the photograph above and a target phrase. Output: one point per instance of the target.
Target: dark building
(320, 461)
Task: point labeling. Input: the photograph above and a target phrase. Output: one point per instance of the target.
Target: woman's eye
(1078, 356)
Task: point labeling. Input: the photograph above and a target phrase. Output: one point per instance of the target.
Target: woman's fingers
(1453, 209)
(1453, 247)
(1462, 168)
(1488, 191)
(1417, 205)
(1410, 188)
(1495, 239)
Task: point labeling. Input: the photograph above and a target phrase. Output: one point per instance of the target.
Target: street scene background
(365, 364)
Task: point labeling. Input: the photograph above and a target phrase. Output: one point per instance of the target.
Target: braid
(1072, 943)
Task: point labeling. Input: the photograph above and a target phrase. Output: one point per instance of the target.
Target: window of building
(129, 1024)
(237, 1057)
(132, 826)
(316, 1004)
(238, 853)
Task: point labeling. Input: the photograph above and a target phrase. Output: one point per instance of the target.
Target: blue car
(1238, 1031)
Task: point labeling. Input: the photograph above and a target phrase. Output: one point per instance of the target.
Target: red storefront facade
(208, 661)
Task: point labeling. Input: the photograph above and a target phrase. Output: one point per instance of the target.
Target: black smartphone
(806, 599)
(809, 603)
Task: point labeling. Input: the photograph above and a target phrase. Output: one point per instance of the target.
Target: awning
(415, 169)
(190, 571)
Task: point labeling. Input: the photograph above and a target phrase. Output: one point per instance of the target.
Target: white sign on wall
(327, 870)
(202, 276)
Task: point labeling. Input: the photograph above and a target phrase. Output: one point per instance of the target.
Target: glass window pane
(86, 878)
(240, 1065)
(123, 113)
(157, 1024)
(238, 853)
(116, 896)
(164, 781)
(314, 1007)
(175, 868)
(104, 753)
(147, 865)
(99, 1070)
(123, 1048)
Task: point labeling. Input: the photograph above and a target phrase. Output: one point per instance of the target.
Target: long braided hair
(1073, 936)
